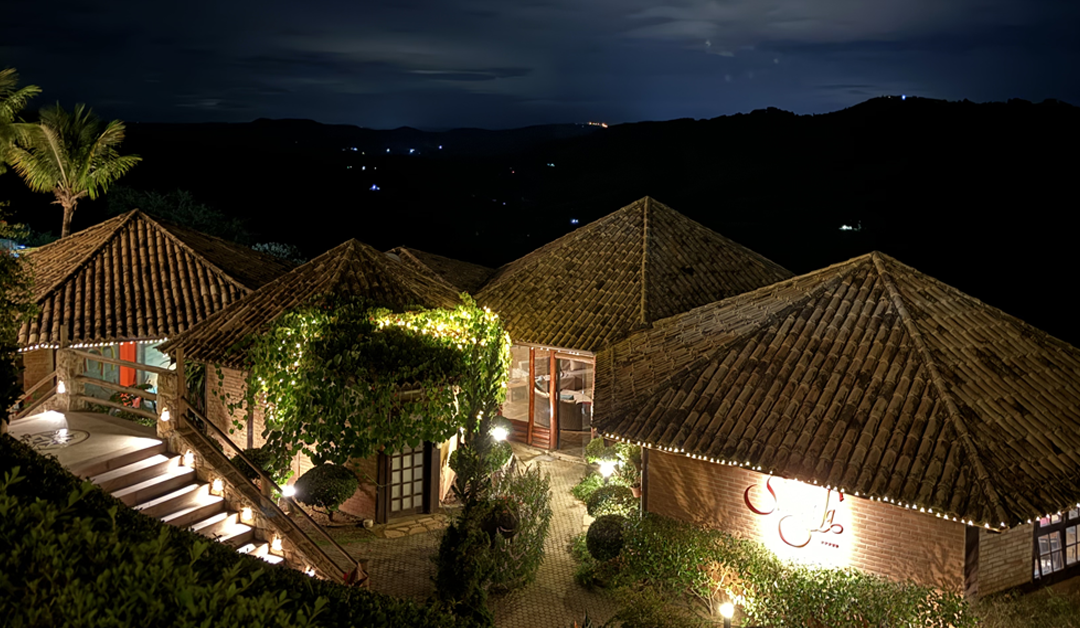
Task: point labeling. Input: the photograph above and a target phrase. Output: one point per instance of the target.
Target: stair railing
(200, 426)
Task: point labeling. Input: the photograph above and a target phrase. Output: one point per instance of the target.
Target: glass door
(407, 481)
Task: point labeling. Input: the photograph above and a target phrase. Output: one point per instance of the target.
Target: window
(1057, 543)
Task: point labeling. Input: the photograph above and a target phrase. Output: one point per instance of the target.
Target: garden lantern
(727, 611)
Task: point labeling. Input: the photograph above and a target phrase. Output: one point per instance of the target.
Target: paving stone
(393, 534)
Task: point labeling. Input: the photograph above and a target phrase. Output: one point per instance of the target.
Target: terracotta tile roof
(596, 285)
(352, 267)
(133, 277)
(868, 376)
(461, 275)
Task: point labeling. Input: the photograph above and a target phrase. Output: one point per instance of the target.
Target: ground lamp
(499, 433)
(607, 467)
(288, 490)
(727, 611)
(165, 413)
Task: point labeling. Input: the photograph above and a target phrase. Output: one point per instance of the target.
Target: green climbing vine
(339, 378)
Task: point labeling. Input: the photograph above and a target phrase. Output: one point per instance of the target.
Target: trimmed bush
(587, 485)
(604, 539)
(67, 548)
(277, 468)
(611, 500)
(326, 486)
(596, 451)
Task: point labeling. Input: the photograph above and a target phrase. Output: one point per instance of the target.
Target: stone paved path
(402, 566)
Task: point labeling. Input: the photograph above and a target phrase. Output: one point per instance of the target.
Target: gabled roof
(867, 376)
(134, 278)
(349, 268)
(596, 285)
(461, 275)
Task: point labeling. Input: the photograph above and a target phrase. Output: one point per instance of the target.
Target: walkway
(402, 566)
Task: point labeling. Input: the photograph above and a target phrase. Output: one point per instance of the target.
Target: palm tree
(73, 155)
(12, 101)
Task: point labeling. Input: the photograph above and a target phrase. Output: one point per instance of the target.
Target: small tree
(326, 486)
(73, 155)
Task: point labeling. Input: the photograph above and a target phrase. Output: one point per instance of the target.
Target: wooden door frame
(431, 477)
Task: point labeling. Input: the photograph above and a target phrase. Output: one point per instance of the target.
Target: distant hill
(981, 196)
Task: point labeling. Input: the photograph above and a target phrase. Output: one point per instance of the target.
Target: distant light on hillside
(856, 227)
(374, 188)
(573, 221)
(903, 96)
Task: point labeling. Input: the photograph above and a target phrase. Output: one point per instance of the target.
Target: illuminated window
(1057, 543)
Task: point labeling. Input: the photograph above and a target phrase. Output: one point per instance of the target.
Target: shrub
(647, 607)
(464, 565)
(66, 548)
(604, 539)
(611, 500)
(587, 485)
(273, 466)
(499, 455)
(596, 451)
(326, 486)
(516, 560)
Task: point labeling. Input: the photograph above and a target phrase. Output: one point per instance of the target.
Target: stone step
(237, 536)
(185, 496)
(168, 481)
(115, 460)
(136, 472)
(214, 524)
(208, 507)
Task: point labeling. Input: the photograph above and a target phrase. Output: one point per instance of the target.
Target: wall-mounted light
(245, 515)
(217, 487)
(165, 416)
(499, 433)
(288, 490)
(189, 459)
(61, 388)
(275, 545)
(310, 571)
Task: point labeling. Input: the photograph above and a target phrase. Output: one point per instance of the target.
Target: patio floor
(79, 439)
(402, 566)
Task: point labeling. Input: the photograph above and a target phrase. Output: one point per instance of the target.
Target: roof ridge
(187, 247)
(981, 474)
(124, 219)
(647, 205)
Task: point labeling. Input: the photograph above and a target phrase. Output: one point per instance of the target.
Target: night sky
(437, 64)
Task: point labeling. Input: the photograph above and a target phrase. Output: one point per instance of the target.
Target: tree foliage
(12, 99)
(72, 155)
(15, 305)
(180, 207)
(341, 379)
(326, 486)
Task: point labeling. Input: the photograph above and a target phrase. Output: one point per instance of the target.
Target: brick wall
(36, 365)
(1005, 558)
(878, 538)
(233, 387)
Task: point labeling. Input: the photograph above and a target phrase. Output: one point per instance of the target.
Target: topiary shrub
(611, 500)
(326, 486)
(604, 540)
(596, 451)
(273, 466)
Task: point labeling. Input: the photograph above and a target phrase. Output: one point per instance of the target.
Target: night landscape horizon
(523, 313)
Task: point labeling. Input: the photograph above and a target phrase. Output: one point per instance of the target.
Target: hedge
(71, 554)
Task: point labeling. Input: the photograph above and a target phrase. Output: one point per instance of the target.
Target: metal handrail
(267, 482)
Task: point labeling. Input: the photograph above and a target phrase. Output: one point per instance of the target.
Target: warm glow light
(607, 467)
(288, 490)
(217, 486)
(499, 433)
(275, 545)
(804, 523)
(245, 515)
(727, 610)
(189, 459)
(165, 414)
(60, 387)
(310, 571)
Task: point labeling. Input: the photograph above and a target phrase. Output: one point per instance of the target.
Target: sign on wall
(801, 522)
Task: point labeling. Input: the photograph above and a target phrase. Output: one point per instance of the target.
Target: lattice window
(1057, 543)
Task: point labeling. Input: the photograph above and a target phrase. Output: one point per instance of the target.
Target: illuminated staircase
(154, 482)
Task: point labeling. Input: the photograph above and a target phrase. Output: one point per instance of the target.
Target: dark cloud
(510, 63)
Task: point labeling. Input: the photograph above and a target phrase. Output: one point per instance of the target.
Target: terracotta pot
(636, 490)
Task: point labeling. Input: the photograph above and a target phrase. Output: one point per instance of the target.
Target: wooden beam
(118, 406)
(139, 392)
(553, 401)
(532, 394)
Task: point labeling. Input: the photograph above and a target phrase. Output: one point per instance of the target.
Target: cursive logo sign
(797, 526)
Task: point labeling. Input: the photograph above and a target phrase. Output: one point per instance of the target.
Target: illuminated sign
(799, 521)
